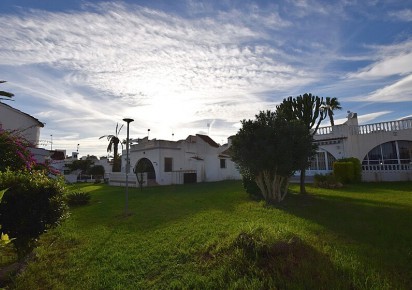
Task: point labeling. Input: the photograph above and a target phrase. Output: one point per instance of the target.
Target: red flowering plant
(14, 152)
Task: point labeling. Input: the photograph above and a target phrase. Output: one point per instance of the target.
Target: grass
(212, 236)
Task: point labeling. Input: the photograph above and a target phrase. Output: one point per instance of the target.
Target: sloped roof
(225, 153)
(208, 140)
(18, 111)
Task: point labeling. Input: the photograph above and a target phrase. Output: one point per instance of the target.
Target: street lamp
(128, 121)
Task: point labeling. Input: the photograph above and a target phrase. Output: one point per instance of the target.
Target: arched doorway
(144, 165)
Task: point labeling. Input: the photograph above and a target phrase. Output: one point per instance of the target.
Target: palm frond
(118, 131)
(6, 94)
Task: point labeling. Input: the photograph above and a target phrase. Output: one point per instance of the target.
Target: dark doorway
(145, 165)
(189, 178)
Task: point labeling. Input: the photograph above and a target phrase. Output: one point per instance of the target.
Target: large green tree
(114, 145)
(310, 111)
(270, 149)
(332, 104)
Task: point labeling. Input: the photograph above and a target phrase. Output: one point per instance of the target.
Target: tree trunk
(272, 186)
(302, 181)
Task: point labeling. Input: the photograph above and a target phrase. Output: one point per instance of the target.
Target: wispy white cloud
(400, 91)
(402, 15)
(161, 69)
(389, 60)
(365, 118)
(369, 118)
(175, 72)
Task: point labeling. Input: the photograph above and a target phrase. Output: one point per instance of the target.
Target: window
(168, 164)
(394, 152)
(222, 163)
(322, 160)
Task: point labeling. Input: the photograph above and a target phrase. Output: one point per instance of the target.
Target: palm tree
(332, 104)
(5, 94)
(114, 144)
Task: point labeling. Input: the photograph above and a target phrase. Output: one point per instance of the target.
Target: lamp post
(128, 121)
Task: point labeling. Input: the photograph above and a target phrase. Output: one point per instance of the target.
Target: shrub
(251, 188)
(326, 181)
(344, 171)
(4, 238)
(31, 205)
(76, 198)
(13, 152)
(357, 167)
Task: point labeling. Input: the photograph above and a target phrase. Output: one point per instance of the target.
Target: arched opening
(322, 160)
(144, 165)
(393, 155)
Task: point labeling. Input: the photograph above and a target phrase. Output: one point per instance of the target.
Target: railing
(381, 127)
(387, 167)
(324, 130)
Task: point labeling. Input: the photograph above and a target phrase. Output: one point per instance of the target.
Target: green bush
(14, 152)
(357, 167)
(76, 198)
(4, 238)
(251, 188)
(31, 205)
(326, 181)
(343, 171)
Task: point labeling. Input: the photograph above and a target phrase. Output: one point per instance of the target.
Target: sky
(198, 67)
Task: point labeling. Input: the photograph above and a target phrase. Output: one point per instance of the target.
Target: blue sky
(177, 66)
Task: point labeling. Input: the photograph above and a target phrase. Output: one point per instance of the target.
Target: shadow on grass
(379, 232)
(156, 206)
(256, 261)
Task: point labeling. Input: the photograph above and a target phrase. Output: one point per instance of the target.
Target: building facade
(384, 149)
(23, 124)
(196, 159)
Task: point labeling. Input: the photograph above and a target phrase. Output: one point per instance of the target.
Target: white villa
(385, 150)
(196, 159)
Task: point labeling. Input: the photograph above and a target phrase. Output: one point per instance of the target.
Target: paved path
(296, 179)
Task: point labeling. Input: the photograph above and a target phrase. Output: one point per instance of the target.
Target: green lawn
(212, 236)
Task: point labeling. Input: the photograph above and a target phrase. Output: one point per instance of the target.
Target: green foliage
(117, 163)
(77, 198)
(309, 110)
(343, 171)
(357, 167)
(97, 170)
(326, 181)
(13, 152)
(332, 104)
(305, 108)
(32, 204)
(250, 186)
(4, 238)
(4, 93)
(113, 145)
(269, 149)
(83, 165)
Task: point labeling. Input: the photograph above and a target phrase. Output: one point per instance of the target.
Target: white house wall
(14, 120)
(191, 155)
(353, 140)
